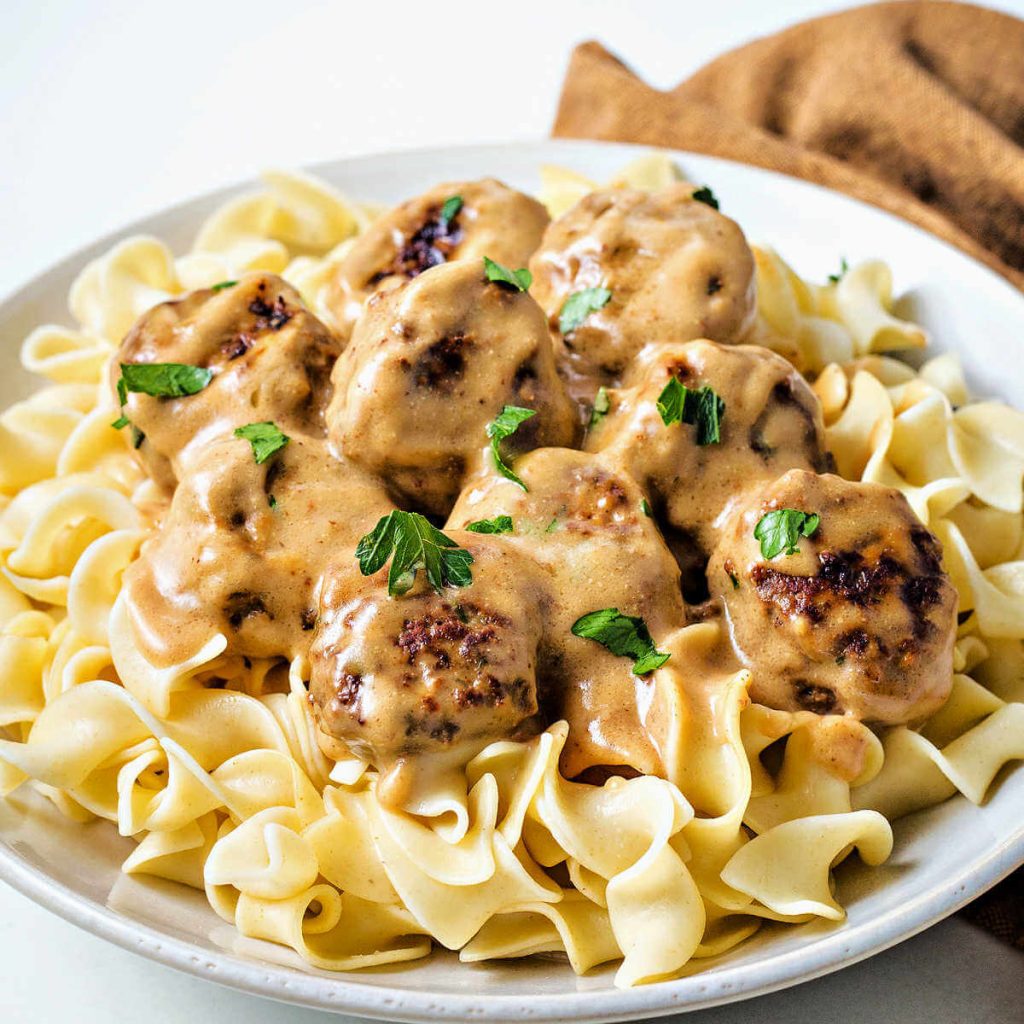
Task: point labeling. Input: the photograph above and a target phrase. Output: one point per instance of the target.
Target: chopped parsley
(625, 635)
(601, 407)
(450, 209)
(223, 284)
(782, 529)
(162, 380)
(505, 425)
(412, 543)
(272, 501)
(499, 524)
(735, 579)
(265, 438)
(520, 279)
(700, 407)
(706, 196)
(645, 507)
(843, 268)
(580, 305)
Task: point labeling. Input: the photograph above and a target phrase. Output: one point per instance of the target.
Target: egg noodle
(226, 789)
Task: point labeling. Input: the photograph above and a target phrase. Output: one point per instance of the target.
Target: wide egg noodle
(223, 786)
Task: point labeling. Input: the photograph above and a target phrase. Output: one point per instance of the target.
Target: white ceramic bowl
(944, 856)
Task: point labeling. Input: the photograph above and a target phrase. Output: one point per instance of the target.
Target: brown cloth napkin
(916, 107)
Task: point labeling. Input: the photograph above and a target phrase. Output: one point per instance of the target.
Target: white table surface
(112, 110)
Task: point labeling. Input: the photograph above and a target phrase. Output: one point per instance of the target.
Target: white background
(111, 110)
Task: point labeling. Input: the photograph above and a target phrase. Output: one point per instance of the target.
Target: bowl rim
(832, 951)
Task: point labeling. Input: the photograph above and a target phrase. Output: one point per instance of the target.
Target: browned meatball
(242, 548)
(860, 621)
(493, 220)
(771, 422)
(585, 523)
(271, 360)
(442, 674)
(429, 365)
(676, 268)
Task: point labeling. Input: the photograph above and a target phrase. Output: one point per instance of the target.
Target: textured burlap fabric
(916, 107)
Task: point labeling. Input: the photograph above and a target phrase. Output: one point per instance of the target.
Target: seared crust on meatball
(677, 269)
(860, 621)
(271, 360)
(584, 521)
(431, 673)
(429, 366)
(493, 220)
(771, 422)
(243, 546)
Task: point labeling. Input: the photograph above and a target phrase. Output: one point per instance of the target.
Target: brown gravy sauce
(264, 553)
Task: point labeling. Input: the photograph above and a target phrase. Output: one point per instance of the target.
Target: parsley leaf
(782, 529)
(121, 422)
(450, 209)
(272, 501)
(519, 279)
(601, 407)
(162, 380)
(705, 195)
(223, 284)
(700, 407)
(843, 268)
(499, 524)
(505, 425)
(265, 438)
(625, 635)
(645, 507)
(412, 543)
(580, 305)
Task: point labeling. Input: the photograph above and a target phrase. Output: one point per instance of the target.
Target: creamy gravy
(858, 625)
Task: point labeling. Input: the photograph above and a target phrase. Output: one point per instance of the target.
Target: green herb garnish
(162, 380)
(412, 543)
(625, 635)
(519, 279)
(499, 524)
(222, 285)
(450, 209)
(735, 579)
(645, 507)
(265, 438)
(843, 268)
(705, 195)
(580, 305)
(505, 425)
(700, 407)
(121, 422)
(782, 529)
(601, 407)
(272, 501)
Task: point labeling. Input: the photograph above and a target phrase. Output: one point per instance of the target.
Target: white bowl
(944, 857)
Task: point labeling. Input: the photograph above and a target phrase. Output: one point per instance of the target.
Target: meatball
(442, 674)
(771, 422)
(243, 546)
(271, 360)
(585, 523)
(429, 365)
(860, 621)
(493, 220)
(676, 268)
